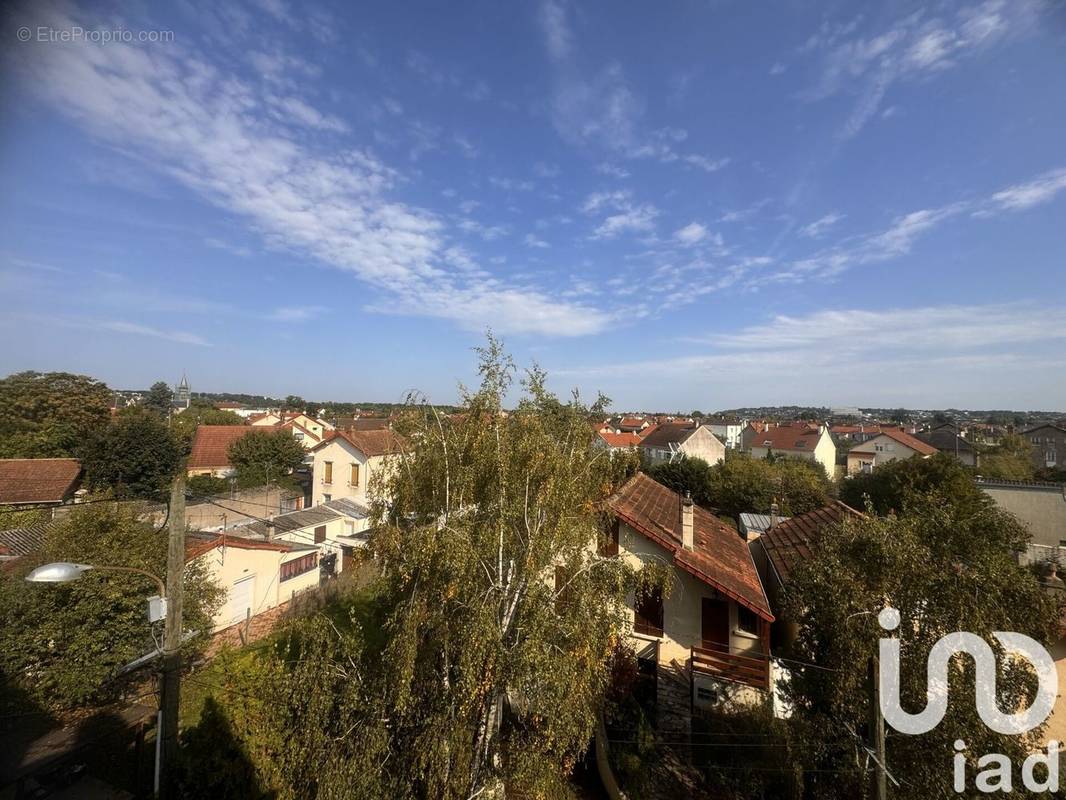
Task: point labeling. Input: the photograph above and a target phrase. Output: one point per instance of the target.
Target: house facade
(210, 448)
(256, 575)
(710, 631)
(1049, 446)
(889, 445)
(729, 431)
(673, 441)
(1041, 508)
(802, 441)
(947, 440)
(346, 460)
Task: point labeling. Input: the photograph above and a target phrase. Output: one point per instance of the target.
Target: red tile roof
(38, 480)
(370, 443)
(198, 544)
(790, 543)
(210, 444)
(788, 437)
(905, 439)
(720, 558)
(620, 439)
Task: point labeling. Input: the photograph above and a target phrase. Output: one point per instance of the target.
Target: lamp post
(65, 572)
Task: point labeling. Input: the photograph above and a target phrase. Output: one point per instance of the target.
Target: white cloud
(693, 233)
(821, 225)
(597, 201)
(777, 68)
(1036, 192)
(557, 36)
(532, 240)
(636, 219)
(612, 170)
(706, 164)
(297, 313)
(205, 128)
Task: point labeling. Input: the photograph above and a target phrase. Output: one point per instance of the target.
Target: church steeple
(182, 396)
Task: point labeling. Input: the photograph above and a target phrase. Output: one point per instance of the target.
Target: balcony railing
(753, 670)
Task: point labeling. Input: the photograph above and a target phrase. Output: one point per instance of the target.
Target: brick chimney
(688, 536)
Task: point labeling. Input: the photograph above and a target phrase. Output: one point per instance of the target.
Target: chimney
(773, 513)
(271, 528)
(688, 536)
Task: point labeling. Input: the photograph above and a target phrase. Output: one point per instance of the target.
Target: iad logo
(997, 777)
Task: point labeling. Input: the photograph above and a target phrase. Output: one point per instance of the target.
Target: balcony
(753, 670)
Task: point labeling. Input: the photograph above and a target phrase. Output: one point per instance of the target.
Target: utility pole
(876, 725)
(170, 680)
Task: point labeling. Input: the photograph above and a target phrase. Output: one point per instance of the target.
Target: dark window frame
(648, 611)
(298, 566)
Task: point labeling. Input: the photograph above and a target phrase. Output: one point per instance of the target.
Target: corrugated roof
(23, 541)
(308, 517)
(38, 480)
(758, 522)
(720, 558)
(790, 543)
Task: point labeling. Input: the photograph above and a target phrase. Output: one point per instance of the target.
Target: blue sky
(689, 205)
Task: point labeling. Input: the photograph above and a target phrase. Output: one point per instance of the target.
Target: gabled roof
(38, 480)
(669, 433)
(1035, 428)
(620, 439)
(369, 443)
(788, 544)
(720, 558)
(945, 439)
(210, 444)
(788, 437)
(905, 439)
(196, 544)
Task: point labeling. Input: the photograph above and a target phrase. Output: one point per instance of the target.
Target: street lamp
(67, 571)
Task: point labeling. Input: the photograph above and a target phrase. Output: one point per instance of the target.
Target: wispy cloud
(297, 313)
(821, 225)
(1033, 193)
(206, 128)
(627, 215)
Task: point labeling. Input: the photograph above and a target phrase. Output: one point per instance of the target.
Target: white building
(889, 445)
(728, 431)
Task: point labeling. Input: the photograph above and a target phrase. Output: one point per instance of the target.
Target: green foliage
(946, 568)
(899, 485)
(61, 642)
(1010, 460)
(742, 484)
(135, 456)
(46, 415)
(159, 399)
(264, 457)
(295, 403)
(207, 485)
(692, 475)
(407, 699)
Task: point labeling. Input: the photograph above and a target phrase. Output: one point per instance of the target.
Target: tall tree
(61, 642)
(692, 475)
(900, 484)
(750, 484)
(159, 399)
(264, 457)
(45, 415)
(1011, 459)
(135, 456)
(945, 568)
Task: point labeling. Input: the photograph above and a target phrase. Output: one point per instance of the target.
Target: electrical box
(157, 608)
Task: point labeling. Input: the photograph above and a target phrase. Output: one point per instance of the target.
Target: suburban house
(616, 441)
(39, 481)
(345, 461)
(946, 439)
(798, 440)
(1049, 445)
(708, 638)
(890, 444)
(337, 528)
(673, 441)
(630, 424)
(258, 575)
(1041, 507)
(729, 431)
(210, 449)
(781, 549)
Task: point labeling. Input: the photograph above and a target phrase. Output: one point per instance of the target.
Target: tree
(263, 457)
(486, 660)
(199, 413)
(46, 415)
(295, 403)
(159, 399)
(1011, 459)
(900, 416)
(900, 484)
(945, 568)
(745, 484)
(135, 456)
(692, 475)
(62, 642)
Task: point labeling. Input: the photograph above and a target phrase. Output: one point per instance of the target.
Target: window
(353, 479)
(609, 546)
(648, 611)
(327, 473)
(298, 566)
(326, 498)
(747, 620)
(320, 534)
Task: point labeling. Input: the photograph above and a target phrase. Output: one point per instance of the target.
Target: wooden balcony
(753, 669)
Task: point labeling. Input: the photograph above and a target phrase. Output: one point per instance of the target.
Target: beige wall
(342, 526)
(824, 453)
(883, 449)
(701, 444)
(682, 623)
(231, 565)
(1042, 509)
(343, 455)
